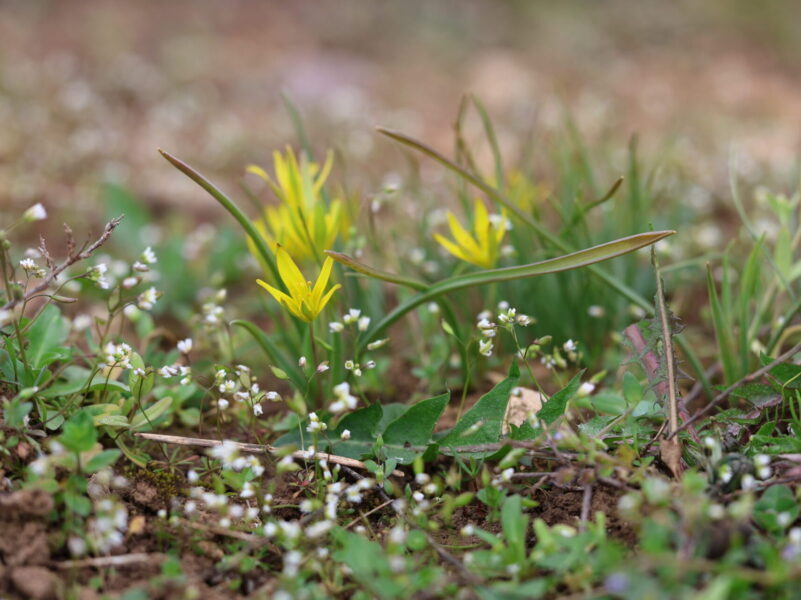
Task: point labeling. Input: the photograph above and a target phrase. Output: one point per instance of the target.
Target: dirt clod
(37, 583)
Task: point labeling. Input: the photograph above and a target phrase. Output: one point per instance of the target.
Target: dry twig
(255, 449)
(72, 258)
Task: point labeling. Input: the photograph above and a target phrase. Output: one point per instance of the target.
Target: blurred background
(89, 89)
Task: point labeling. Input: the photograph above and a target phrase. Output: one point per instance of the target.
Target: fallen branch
(256, 449)
(109, 561)
(72, 258)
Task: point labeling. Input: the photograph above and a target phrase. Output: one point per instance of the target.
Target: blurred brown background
(89, 89)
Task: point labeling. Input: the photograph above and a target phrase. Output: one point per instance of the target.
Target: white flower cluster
(353, 316)
(344, 399)
(31, 268)
(117, 355)
(212, 309)
(315, 424)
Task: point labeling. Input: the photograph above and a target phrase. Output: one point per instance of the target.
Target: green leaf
(776, 500)
(151, 413)
(608, 402)
(78, 382)
(414, 427)
(79, 433)
(140, 385)
(567, 262)
(47, 333)
(514, 524)
(485, 419)
(104, 459)
(555, 406)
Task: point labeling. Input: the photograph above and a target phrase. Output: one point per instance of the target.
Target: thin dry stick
(72, 258)
(667, 341)
(747, 379)
(255, 449)
(109, 561)
(586, 504)
(368, 513)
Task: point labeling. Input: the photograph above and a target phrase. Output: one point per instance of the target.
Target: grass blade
(231, 207)
(563, 263)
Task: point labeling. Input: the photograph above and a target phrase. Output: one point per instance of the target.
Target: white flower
(596, 311)
(363, 323)
(168, 371)
(273, 396)
(323, 367)
(229, 386)
(335, 326)
(148, 256)
(28, 264)
(130, 282)
(319, 528)
(377, 344)
(36, 212)
(585, 389)
(485, 347)
(345, 435)
(185, 346)
(147, 299)
(302, 362)
(257, 410)
(570, 346)
(222, 403)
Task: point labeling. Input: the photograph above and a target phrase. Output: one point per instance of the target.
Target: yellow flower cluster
(482, 249)
(301, 222)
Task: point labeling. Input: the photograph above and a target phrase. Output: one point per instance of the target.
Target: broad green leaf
(140, 385)
(483, 422)
(414, 428)
(104, 459)
(608, 402)
(556, 404)
(776, 500)
(47, 333)
(151, 413)
(78, 381)
(79, 433)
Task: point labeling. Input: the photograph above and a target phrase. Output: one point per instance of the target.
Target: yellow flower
(301, 223)
(304, 300)
(483, 249)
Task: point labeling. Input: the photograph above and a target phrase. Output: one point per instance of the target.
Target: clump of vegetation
(503, 406)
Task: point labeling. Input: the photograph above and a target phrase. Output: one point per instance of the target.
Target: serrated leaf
(485, 417)
(414, 427)
(555, 406)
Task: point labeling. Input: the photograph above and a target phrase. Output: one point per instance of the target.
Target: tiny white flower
(130, 282)
(185, 346)
(585, 389)
(148, 256)
(222, 403)
(570, 346)
(257, 410)
(345, 435)
(363, 323)
(302, 361)
(36, 212)
(336, 326)
(273, 396)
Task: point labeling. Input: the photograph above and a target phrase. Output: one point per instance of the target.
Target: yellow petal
(326, 298)
(291, 275)
(257, 170)
(460, 235)
(481, 224)
(322, 280)
(452, 248)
